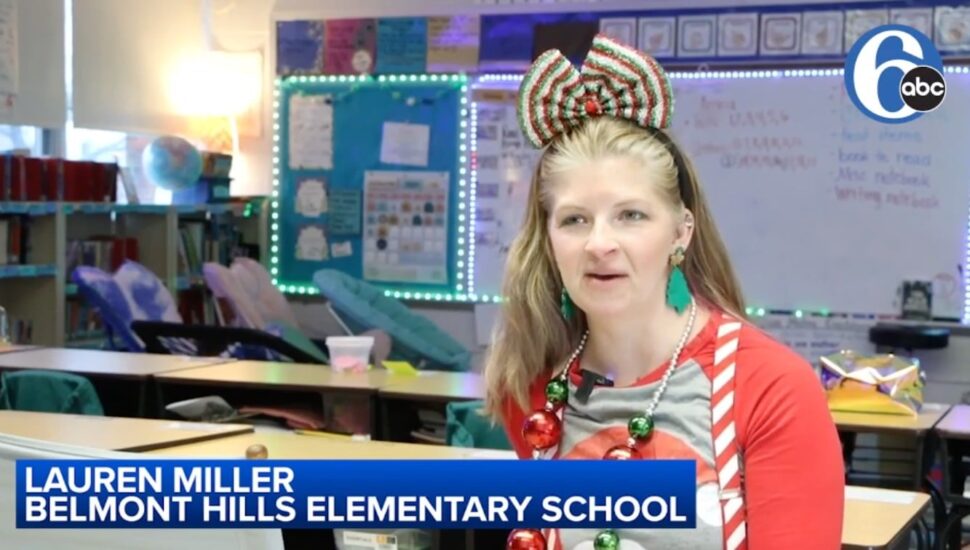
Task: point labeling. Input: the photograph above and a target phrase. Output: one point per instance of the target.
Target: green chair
(465, 426)
(48, 391)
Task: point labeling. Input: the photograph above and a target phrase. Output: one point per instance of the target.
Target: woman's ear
(685, 230)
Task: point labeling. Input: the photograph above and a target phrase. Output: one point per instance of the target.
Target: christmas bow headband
(615, 81)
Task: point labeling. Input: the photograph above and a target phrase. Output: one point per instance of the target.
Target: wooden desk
(113, 373)
(434, 386)
(891, 423)
(879, 518)
(272, 375)
(954, 434)
(12, 348)
(401, 396)
(919, 426)
(291, 446)
(267, 383)
(956, 423)
(111, 433)
(101, 363)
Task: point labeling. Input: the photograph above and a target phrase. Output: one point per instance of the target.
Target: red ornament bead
(526, 539)
(592, 107)
(542, 429)
(622, 452)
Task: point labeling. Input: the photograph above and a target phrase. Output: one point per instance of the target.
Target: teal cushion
(49, 391)
(467, 427)
(414, 337)
(295, 337)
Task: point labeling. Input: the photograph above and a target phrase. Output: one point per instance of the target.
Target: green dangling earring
(566, 306)
(678, 294)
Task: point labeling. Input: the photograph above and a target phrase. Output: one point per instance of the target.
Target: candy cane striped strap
(727, 455)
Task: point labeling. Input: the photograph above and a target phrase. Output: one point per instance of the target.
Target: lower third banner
(326, 494)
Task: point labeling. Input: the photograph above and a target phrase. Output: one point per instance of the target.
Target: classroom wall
(248, 24)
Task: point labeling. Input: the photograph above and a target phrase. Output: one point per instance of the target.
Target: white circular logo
(888, 70)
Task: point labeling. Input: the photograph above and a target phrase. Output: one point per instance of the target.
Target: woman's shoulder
(766, 366)
(761, 355)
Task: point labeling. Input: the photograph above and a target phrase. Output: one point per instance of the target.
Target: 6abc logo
(894, 74)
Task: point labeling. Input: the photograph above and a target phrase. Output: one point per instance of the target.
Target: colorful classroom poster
(311, 132)
(405, 227)
(350, 46)
(402, 45)
(344, 216)
(299, 47)
(453, 43)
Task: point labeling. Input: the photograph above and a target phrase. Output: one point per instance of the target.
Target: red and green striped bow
(615, 81)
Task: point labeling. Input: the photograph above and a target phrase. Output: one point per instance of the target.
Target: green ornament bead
(640, 426)
(606, 540)
(556, 392)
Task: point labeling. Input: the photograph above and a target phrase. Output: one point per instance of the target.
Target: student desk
(114, 372)
(874, 518)
(920, 427)
(111, 433)
(879, 518)
(954, 434)
(400, 396)
(11, 348)
(290, 446)
(278, 384)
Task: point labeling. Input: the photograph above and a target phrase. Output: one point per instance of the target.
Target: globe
(171, 163)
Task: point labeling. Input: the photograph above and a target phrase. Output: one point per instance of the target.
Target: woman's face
(612, 235)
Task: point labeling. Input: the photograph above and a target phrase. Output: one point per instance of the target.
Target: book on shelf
(83, 321)
(14, 233)
(24, 178)
(103, 252)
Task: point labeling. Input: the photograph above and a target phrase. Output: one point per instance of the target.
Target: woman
(622, 335)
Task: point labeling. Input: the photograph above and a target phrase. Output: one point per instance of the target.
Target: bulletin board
(369, 176)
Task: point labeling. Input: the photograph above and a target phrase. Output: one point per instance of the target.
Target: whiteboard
(819, 207)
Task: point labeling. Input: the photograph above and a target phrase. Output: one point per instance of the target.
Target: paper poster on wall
(453, 43)
(311, 197)
(311, 132)
(342, 250)
(8, 47)
(350, 46)
(344, 216)
(299, 47)
(402, 45)
(311, 244)
(405, 144)
(405, 227)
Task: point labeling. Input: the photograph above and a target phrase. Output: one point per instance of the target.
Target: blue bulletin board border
(360, 107)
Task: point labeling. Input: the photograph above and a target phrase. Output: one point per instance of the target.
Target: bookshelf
(34, 286)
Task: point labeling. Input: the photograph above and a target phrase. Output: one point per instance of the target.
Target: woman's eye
(572, 220)
(632, 215)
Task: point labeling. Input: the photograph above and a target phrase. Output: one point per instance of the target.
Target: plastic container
(373, 539)
(350, 353)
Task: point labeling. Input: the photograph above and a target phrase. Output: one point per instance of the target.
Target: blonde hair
(531, 336)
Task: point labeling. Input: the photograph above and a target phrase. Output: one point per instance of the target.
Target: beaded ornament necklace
(543, 430)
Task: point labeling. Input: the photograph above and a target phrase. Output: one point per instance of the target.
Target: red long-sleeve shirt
(792, 460)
